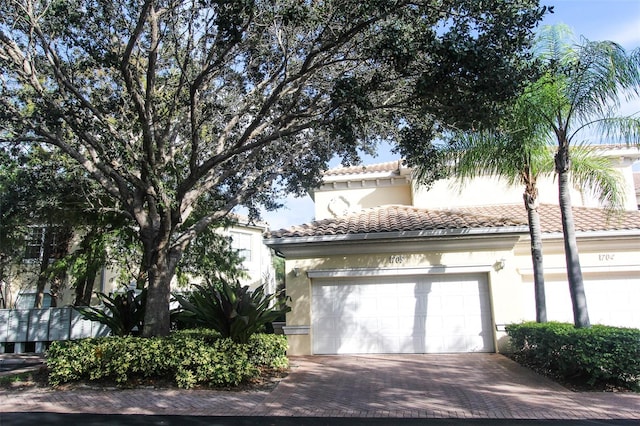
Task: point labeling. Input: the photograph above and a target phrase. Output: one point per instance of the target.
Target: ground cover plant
(232, 310)
(187, 359)
(122, 313)
(597, 358)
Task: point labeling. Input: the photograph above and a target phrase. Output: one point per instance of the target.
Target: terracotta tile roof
(391, 167)
(396, 219)
(585, 219)
(408, 218)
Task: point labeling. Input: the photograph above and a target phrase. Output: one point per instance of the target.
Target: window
(34, 243)
(242, 243)
(27, 300)
(36, 238)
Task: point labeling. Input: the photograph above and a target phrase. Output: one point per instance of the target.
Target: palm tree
(516, 151)
(580, 92)
(519, 151)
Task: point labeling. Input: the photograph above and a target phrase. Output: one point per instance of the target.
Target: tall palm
(519, 151)
(580, 92)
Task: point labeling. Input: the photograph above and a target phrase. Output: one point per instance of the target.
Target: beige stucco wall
(600, 259)
(505, 284)
(491, 190)
(511, 288)
(482, 191)
(338, 198)
(349, 193)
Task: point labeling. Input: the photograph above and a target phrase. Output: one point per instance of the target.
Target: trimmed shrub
(597, 355)
(268, 351)
(189, 358)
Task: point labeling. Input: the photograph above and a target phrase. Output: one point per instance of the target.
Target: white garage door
(414, 314)
(610, 301)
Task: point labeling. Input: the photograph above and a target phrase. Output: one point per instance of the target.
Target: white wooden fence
(31, 330)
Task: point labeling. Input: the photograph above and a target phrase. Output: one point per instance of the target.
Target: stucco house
(246, 236)
(391, 267)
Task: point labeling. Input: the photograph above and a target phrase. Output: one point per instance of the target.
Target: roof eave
(403, 241)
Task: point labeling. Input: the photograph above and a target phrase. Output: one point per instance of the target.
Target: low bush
(600, 355)
(231, 309)
(188, 358)
(122, 313)
(268, 351)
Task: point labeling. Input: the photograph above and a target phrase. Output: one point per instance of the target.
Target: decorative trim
(387, 272)
(483, 239)
(585, 269)
(296, 329)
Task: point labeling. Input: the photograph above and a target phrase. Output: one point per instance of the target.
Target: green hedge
(189, 358)
(600, 354)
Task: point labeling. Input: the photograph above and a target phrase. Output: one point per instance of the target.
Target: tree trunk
(84, 287)
(574, 271)
(3, 285)
(531, 204)
(54, 290)
(62, 241)
(47, 252)
(160, 273)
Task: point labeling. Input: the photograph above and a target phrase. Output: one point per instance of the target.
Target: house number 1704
(396, 259)
(606, 257)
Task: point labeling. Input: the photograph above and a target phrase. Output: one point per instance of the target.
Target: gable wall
(338, 198)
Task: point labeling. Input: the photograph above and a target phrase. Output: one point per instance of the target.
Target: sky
(615, 20)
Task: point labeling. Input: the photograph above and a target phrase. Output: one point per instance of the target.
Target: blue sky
(616, 20)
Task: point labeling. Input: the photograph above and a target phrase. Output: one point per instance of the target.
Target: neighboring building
(246, 236)
(390, 267)
(636, 184)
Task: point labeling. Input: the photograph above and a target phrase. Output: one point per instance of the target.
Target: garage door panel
(414, 314)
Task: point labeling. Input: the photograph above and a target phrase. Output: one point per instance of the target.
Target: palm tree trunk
(531, 204)
(574, 271)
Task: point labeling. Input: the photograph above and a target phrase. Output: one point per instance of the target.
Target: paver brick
(425, 386)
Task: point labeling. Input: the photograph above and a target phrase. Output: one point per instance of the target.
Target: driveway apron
(442, 386)
(422, 386)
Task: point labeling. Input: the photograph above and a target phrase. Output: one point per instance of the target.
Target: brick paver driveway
(430, 386)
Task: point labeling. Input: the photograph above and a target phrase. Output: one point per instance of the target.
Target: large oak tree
(169, 104)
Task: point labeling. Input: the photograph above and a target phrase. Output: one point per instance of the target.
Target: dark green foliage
(172, 107)
(188, 358)
(211, 256)
(268, 350)
(230, 309)
(124, 312)
(597, 355)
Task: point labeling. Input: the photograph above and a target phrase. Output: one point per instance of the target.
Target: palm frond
(596, 174)
(624, 130)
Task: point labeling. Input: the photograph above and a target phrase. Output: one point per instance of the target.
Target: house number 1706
(396, 259)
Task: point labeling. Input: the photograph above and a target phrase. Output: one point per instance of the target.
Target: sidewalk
(486, 386)
(17, 363)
